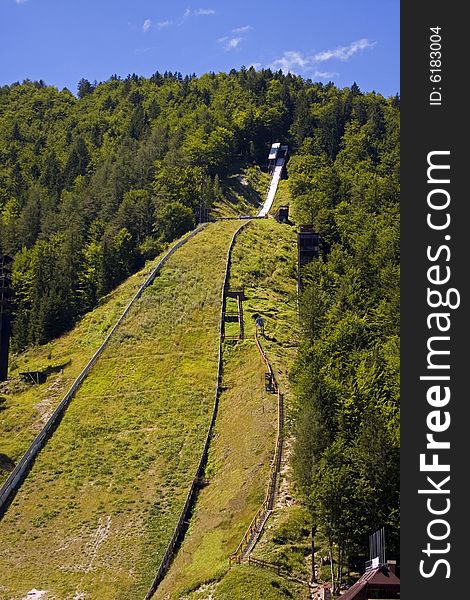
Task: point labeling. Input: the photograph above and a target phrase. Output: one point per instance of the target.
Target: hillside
(100, 504)
(95, 188)
(244, 437)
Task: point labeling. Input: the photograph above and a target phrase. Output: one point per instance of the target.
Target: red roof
(380, 578)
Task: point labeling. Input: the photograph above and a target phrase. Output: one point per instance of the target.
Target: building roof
(380, 578)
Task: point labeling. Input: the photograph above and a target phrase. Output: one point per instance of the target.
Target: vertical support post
(308, 247)
(240, 316)
(5, 314)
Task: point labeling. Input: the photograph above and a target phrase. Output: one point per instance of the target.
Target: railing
(280, 569)
(179, 530)
(16, 477)
(256, 526)
(264, 563)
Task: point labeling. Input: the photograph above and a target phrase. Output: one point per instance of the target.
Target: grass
(99, 506)
(244, 439)
(287, 542)
(96, 512)
(264, 263)
(258, 584)
(25, 407)
(238, 468)
(282, 197)
(244, 193)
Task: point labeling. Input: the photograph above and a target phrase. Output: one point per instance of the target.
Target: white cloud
(162, 24)
(230, 43)
(290, 60)
(140, 51)
(233, 43)
(204, 12)
(294, 61)
(146, 26)
(243, 29)
(343, 52)
(324, 74)
(198, 12)
(21, 1)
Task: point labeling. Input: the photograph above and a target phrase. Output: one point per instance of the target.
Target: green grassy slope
(244, 193)
(243, 445)
(26, 407)
(237, 470)
(95, 513)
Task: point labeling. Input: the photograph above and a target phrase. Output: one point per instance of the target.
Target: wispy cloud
(140, 51)
(230, 43)
(146, 26)
(198, 12)
(21, 1)
(297, 61)
(162, 24)
(324, 74)
(243, 29)
(290, 61)
(233, 43)
(204, 12)
(343, 52)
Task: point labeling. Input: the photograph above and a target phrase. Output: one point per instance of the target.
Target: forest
(93, 185)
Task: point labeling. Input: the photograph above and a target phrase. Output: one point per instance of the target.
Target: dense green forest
(345, 180)
(92, 186)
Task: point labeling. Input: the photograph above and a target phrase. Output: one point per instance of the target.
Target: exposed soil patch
(6, 463)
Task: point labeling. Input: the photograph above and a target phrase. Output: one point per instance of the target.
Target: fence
(191, 497)
(16, 477)
(255, 528)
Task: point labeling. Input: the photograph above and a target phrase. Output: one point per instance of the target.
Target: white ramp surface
(272, 188)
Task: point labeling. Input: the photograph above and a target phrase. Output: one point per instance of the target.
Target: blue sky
(61, 41)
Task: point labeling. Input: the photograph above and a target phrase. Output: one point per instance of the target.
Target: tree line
(345, 181)
(92, 186)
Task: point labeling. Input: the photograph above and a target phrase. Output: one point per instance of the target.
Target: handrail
(254, 530)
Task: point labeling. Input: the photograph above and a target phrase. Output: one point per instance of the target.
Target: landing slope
(263, 263)
(96, 511)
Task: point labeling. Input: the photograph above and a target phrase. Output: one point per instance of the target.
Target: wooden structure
(308, 246)
(232, 316)
(323, 593)
(380, 582)
(282, 215)
(269, 383)
(40, 376)
(6, 293)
